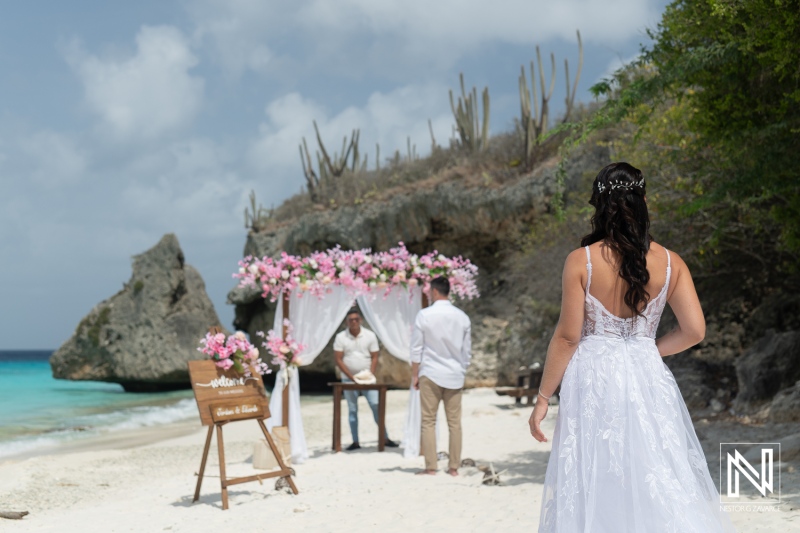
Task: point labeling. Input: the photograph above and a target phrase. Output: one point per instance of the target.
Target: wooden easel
(224, 397)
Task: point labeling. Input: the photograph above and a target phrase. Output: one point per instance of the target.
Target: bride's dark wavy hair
(621, 220)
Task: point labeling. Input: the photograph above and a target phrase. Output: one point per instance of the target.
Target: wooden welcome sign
(224, 396)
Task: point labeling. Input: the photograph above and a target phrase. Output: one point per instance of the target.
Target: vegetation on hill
(712, 111)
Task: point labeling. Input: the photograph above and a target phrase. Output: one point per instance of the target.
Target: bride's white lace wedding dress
(625, 455)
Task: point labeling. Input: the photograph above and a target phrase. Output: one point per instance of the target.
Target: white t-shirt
(441, 343)
(356, 349)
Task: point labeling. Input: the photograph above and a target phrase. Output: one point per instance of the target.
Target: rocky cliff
(478, 217)
(143, 336)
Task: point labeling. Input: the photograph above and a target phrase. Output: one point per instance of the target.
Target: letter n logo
(760, 476)
(738, 464)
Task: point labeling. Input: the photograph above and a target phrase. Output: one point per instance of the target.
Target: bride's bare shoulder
(677, 264)
(576, 261)
(675, 259)
(577, 256)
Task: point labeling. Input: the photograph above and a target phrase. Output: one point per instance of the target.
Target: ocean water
(38, 411)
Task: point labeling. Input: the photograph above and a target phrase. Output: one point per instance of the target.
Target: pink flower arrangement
(233, 352)
(286, 351)
(360, 271)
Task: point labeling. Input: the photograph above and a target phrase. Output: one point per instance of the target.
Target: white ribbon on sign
(391, 316)
(315, 321)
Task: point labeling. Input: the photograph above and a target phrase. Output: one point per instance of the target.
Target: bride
(625, 455)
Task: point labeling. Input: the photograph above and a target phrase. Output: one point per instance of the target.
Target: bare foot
(453, 472)
(426, 473)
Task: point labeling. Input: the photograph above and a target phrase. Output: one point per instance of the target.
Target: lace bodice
(599, 321)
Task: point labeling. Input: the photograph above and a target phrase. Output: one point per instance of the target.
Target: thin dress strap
(669, 268)
(588, 269)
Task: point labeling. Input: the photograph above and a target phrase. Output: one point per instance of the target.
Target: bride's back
(608, 287)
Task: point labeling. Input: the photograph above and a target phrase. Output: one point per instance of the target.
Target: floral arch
(317, 291)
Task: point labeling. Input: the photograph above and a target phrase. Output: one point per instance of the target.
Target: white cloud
(52, 159)
(237, 32)
(352, 36)
(386, 118)
(470, 23)
(148, 94)
(187, 187)
(614, 65)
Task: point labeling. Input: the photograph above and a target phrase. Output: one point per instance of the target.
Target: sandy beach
(144, 481)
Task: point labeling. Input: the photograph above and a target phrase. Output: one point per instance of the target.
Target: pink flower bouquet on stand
(234, 352)
(286, 352)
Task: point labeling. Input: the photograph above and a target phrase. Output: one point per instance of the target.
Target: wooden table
(338, 387)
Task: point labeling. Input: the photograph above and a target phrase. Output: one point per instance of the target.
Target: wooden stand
(226, 482)
(223, 397)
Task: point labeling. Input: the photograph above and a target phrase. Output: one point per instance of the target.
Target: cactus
(411, 151)
(534, 124)
(258, 217)
(338, 164)
(330, 167)
(473, 132)
(434, 146)
(570, 98)
(312, 180)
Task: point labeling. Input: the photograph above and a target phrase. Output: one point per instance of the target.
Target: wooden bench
(528, 381)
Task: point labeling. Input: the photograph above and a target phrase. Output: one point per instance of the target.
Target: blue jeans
(352, 406)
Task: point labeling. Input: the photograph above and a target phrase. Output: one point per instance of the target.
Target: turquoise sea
(38, 411)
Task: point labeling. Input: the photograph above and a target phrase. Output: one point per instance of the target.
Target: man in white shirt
(440, 353)
(356, 349)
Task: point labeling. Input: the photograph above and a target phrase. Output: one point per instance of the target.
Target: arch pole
(285, 392)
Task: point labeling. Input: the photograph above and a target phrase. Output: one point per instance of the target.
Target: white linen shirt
(442, 345)
(357, 356)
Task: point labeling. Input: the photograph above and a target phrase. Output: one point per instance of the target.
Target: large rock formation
(143, 336)
(771, 365)
(785, 407)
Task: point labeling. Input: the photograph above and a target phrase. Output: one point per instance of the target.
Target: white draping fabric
(297, 437)
(314, 321)
(391, 316)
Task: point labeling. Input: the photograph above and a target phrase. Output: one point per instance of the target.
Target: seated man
(356, 349)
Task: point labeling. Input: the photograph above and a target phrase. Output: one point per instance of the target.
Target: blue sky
(122, 121)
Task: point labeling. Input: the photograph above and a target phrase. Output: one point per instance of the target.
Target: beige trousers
(430, 394)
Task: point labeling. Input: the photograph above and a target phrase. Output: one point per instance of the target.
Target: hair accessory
(613, 185)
